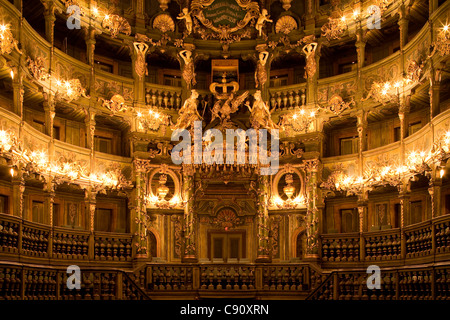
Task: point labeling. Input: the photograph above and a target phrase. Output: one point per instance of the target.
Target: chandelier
(416, 162)
(69, 89)
(152, 119)
(61, 170)
(299, 120)
(442, 43)
(7, 41)
(64, 89)
(387, 91)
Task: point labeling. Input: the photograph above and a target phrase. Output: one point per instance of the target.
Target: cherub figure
(188, 113)
(260, 115)
(263, 17)
(260, 73)
(188, 20)
(188, 70)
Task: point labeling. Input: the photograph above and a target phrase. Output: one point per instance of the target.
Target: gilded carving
(260, 115)
(188, 113)
(164, 23)
(286, 24)
(188, 68)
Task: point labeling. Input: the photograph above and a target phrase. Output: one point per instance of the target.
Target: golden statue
(188, 113)
(184, 15)
(260, 115)
(140, 66)
(261, 73)
(309, 50)
(263, 17)
(231, 105)
(188, 70)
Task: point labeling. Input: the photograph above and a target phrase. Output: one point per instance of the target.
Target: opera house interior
(118, 123)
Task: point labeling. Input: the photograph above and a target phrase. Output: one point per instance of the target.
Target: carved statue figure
(140, 65)
(309, 50)
(228, 107)
(187, 19)
(188, 70)
(260, 115)
(188, 112)
(260, 73)
(263, 17)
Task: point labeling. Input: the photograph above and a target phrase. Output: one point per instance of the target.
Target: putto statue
(260, 115)
(188, 113)
(263, 17)
(188, 70)
(184, 15)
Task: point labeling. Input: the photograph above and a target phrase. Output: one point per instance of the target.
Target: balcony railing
(430, 283)
(427, 241)
(20, 239)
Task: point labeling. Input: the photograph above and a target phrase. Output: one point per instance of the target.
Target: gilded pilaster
(190, 246)
(262, 220)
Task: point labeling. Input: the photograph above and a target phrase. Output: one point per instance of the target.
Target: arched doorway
(152, 244)
(300, 244)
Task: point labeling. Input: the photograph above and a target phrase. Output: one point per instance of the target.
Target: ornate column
(18, 187)
(434, 191)
(89, 121)
(49, 200)
(362, 129)
(140, 16)
(49, 196)
(49, 16)
(49, 111)
(138, 53)
(310, 12)
(89, 38)
(90, 202)
(190, 247)
(262, 220)
(433, 5)
(362, 215)
(139, 210)
(403, 21)
(404, 196)
(312, 168)
(18, 91)
(435, 87)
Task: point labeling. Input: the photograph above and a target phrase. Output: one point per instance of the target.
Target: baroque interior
(352, 96)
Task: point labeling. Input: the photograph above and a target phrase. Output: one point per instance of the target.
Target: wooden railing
(290, 279)
(36, 283)
(20, 239)
(429, 241)
(430, 283)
